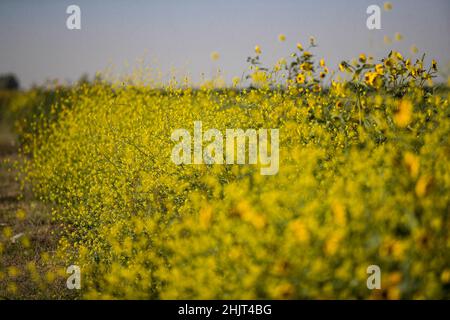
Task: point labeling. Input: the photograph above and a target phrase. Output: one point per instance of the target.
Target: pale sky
(36, 45)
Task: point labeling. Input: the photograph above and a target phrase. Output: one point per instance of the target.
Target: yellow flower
(299, 231)
(341, 67)
(13, 272)
(322, 62)
(247, 214)
(306, 66)
(389, 63)
(215, 56)
(236, 81)
(412, 164)
(387, 6)
(395, 278)
(7, 232)
(11, 287)
(370, 78)
(379, 69)
(398, 36)
(20, 214)
(445, 276)
(299, 46)
(205, 217)
(281, 37)
(257, 49)
(422, 186)
(339, 88)
(404, 114)
(300, 78)
(393, 293)
(283, 291)
(362, 58)
(339, 213)
(434, 65)
(398, 56)
(333, 242)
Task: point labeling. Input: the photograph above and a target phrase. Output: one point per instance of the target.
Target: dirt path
(26, 239)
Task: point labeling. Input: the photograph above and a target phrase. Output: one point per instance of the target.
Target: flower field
(364, 179)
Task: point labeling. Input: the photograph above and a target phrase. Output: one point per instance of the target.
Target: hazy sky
(36, 45)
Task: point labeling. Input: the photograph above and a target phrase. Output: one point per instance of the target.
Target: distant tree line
(9, 82)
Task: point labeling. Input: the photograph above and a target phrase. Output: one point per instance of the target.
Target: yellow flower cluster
(364, 179)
